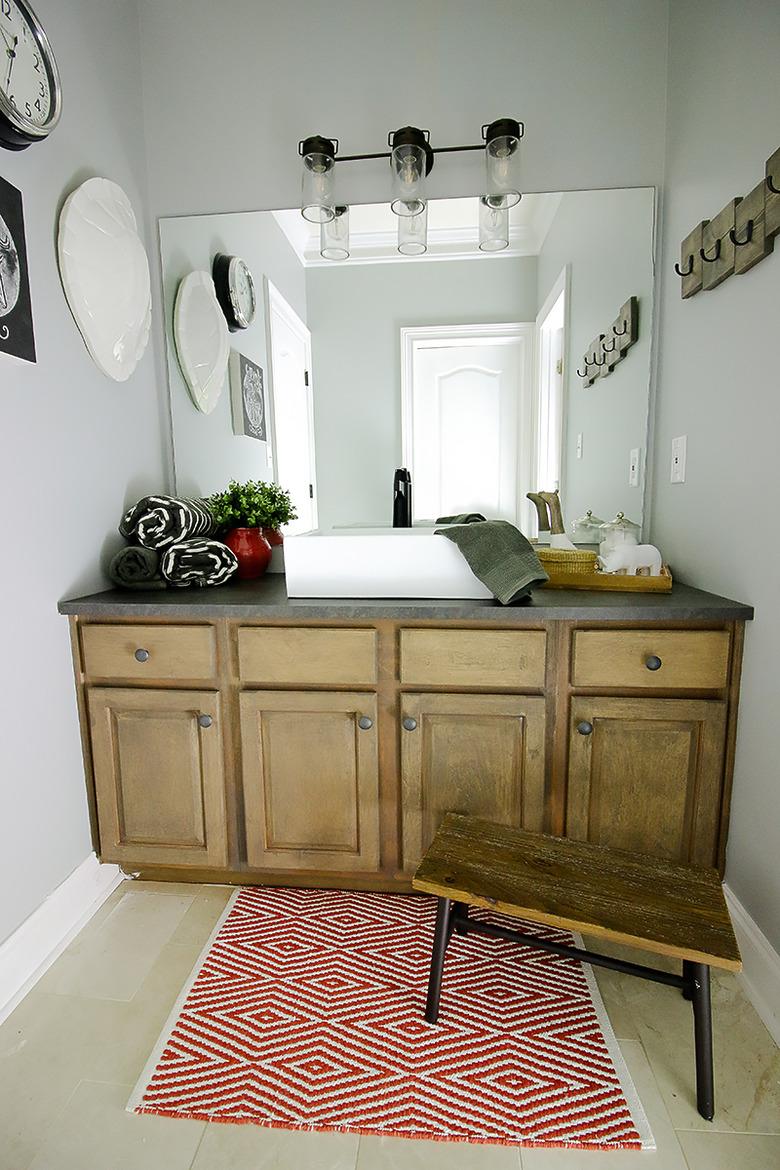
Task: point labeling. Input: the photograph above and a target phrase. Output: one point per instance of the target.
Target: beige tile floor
(73, 1049)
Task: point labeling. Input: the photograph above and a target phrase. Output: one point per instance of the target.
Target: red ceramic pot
(273, 536)
(252, 549)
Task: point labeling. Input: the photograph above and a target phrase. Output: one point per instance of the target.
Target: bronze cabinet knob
(585, 728)
(653, 662)
(205, 720)
(364, 723)
(409, 724)
(141, 655)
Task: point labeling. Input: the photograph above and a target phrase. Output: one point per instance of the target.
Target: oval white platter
(202, 339)
(105, 274)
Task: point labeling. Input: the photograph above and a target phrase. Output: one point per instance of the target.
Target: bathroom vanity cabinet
(234, 735)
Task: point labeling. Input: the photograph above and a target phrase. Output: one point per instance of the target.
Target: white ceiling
(453, 231)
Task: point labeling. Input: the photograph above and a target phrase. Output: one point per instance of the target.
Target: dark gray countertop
(268, 598)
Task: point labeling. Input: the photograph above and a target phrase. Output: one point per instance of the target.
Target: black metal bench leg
(440, 939)
(687, 991)
(460, 916)
(702, 1028)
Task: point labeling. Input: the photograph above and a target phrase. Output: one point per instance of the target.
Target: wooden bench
(645, 902)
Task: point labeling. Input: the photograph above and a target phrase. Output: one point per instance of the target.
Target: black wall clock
(16, 325)
(235, 290)
(30, 92)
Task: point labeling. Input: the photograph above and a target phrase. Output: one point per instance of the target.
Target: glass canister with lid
(620, 531)
(587, 530)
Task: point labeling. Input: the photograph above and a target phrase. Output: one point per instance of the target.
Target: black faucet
(402, 499)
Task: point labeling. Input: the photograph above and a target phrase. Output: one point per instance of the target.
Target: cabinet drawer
(149, 653)
(308, 656)
(473, 658)
(698, 659)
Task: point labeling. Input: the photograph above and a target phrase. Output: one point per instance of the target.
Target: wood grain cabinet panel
(473, 658)
(311, 780)
(477, 754)
(695, 659)
(153, 653)
(159, 776)
(648, 776)
(307, 656)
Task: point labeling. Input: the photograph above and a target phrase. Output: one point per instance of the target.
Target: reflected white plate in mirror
(105, 275)
(202, 339)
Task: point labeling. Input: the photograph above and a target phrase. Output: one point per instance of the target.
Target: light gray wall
(718, 384)
(230, 88)
(356, 314)
(606, 239)
(207, 453)
(75, 448)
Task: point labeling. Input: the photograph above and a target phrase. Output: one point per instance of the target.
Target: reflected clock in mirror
(235, 291)
(30, 91)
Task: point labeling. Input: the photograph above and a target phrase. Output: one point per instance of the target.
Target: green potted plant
(279, 511)
(243, 511)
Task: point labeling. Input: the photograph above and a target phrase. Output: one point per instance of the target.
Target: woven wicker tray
(614, 582)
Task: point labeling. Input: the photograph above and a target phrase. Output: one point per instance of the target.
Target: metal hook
(624, 330)
(581, 373)
(775, 190)
(748, 235)
(679, 270)
(594, 361)
(711, 259)
(608, 348)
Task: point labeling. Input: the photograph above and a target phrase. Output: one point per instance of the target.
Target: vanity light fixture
(413, 233)
(319, 156)
(334, 235)
(411, 161)
(502, 162)
(493, 226)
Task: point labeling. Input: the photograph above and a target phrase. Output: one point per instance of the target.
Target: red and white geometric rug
(306, 1012)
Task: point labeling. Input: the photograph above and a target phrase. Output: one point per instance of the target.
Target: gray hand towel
(462, 518)
(500, 556)
(136, 568)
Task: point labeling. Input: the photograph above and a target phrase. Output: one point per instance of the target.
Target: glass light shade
(334, 235)
(317, 199)
(413, 233)
(502, 163)
(408, 162)
(493, 226)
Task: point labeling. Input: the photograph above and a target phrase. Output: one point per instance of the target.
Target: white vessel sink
(377, 562)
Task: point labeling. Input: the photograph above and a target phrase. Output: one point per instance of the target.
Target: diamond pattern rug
(306, 1012)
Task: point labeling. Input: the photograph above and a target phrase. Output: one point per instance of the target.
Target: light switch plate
(679, 446)
(635, 457)
(579, 445)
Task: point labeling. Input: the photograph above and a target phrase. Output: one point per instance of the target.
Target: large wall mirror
(458, 364)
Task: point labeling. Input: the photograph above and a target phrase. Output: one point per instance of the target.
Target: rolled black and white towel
(136, 568)
(159, 521)
(198, 562)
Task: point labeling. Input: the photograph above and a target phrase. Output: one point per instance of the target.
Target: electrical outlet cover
(679, 450)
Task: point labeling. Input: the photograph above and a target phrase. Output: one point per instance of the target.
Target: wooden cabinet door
(476, 754)
(648, 777)
(311, 780)
(159, 776)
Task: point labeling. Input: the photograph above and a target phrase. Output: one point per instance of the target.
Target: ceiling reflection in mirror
(463, 366)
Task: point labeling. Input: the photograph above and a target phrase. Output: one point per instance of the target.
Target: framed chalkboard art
(16, 323)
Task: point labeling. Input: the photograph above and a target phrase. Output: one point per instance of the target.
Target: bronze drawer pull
(141, 655)
(653, 662)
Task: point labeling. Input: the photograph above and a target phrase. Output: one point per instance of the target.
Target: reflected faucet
(402, 499)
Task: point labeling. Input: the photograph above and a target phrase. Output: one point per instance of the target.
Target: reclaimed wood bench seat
(646, 902)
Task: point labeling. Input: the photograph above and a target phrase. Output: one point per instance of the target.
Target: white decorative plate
(105, 275)
(202, 339)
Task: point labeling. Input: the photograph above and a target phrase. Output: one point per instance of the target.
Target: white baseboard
(42, 937)
(760, 976)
